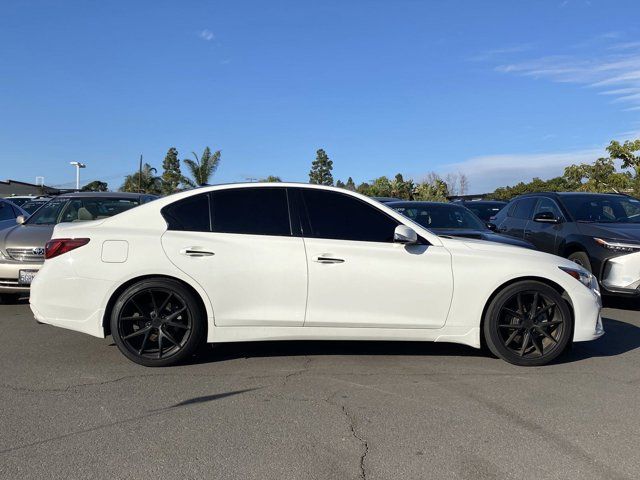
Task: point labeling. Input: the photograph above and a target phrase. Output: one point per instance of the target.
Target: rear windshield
(32, 205)
(63, 210)
(441, 216)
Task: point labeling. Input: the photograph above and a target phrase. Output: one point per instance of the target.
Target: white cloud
(486, 173)
(206, 35)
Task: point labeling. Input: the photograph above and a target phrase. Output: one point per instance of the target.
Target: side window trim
(555, 204)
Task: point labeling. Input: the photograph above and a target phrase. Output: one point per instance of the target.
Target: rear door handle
(327, 259)
(195, 252)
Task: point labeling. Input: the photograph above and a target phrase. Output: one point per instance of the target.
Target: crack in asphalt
(354, 434)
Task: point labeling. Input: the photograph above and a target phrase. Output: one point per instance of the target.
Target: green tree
(321, 167)
(628, 153)
(350, 185)
(433, 188)
(364, 188)
(601, 176)
(96, 186)
(147, 182)
(340, 184)
(271, 178)
(171, 174)
(202, 168)
(401, 188)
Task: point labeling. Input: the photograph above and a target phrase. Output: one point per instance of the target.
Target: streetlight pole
(78, 166)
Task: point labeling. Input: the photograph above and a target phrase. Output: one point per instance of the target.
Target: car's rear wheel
(582, 259)
(158, 323)
(528, 323)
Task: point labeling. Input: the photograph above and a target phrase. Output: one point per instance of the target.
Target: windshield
(603, 208)
(485, 211)
(442, 216)
(62, 210)
(32, 205)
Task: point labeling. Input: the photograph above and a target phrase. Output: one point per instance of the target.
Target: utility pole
(78, 166)
(140, 176)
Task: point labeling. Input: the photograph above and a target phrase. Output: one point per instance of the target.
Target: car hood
(481, 235)
(503, 250)
(25, 236)
(621, 231)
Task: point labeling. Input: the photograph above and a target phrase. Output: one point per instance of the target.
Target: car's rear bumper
(9, 273)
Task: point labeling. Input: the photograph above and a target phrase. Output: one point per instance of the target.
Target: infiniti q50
(249, 262)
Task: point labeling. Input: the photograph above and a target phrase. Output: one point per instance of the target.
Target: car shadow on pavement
(230, 351)
(620, 337)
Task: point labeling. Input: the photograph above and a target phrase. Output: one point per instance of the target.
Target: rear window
(252, 211)
(190, 214)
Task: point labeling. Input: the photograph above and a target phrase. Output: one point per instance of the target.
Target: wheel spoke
(138, 307)
(144, 341)
(525, 343)
(534, 305)
(160, 336)
(546, 334)
(174, 315)
(520, 306)
(177, 325)
(513, 313)
(537, 344)
(517, 326)
(551, 323)
(546, 310)
(134, 317)
(169, 337)
(511, 337)
(165, 303)
(136, 333)
(153, 301)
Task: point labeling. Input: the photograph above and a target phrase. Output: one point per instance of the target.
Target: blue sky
(501, 91)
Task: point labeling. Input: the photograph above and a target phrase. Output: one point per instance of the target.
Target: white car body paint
(271, 288)
(622, 273)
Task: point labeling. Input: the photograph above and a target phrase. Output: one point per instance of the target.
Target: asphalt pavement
(73, 407)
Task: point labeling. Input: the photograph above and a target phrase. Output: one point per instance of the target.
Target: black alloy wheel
(528, 323)
(157, 323)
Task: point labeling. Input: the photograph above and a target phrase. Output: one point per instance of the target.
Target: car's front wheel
(158, 323)
(528, 323)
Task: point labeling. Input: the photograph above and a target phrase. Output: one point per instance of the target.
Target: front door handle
(327, 259)
(195, 252)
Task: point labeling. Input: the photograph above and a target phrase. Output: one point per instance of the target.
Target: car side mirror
(492, 226)
(545, 217)
(20, 219)
(405, 235)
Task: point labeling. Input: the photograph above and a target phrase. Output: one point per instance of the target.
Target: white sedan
(286, 261)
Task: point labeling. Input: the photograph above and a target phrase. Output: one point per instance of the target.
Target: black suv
(599, 231)
(484, 209)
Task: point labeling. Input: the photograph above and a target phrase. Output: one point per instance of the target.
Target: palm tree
(202, 169)
(147, 182)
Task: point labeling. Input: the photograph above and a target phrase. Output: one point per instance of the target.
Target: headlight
(587, 279)
(616, 245)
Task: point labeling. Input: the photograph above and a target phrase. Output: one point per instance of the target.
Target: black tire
(10, 298)
(582, 259)
(158, 323)
(528, 324)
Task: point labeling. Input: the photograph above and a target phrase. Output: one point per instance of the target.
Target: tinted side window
(252, 211)
(189, 214)
(524, 208)
(548, 205)
(6, 211)
(338, 216)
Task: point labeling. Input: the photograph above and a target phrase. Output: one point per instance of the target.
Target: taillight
(58, 246)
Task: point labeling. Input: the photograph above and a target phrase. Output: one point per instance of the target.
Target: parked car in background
(32, 205)
(8, 213)
(286, 261)
(600, 232)
(22, 246)
(452, 219)
(386, 199)
(484, 209)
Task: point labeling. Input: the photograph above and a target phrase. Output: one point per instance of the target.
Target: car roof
(481, 201)
(568, 194)
(121, 195)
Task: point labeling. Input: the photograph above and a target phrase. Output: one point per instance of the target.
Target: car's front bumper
(9, 273)
(621, 274)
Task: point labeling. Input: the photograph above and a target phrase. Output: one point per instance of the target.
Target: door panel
(371, 284)
(252, 280)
